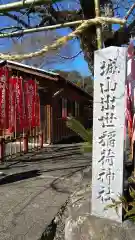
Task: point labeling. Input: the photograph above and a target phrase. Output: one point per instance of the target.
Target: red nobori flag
(37, 111)
(19, 104)
(11, 108)
(3, 98)
(16, 108)
(30, 88)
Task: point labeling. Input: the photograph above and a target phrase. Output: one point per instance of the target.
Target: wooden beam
(62, 25)
(21, 5)
(98, 26)
(32, 72)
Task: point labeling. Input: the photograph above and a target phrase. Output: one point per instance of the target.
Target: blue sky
(77, 63)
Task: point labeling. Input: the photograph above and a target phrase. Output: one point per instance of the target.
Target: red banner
(30, 98)
(37, 111)
(19, 108)
(16, 107)
(3, 97)
(19, 104)
(11, 108)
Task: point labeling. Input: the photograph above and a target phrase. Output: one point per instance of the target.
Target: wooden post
(25, 142)
(2, 149)
(41, 139)
(98, 27)
(48, 123)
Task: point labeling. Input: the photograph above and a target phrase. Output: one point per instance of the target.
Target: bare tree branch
(21, 5)
(16, 18)
(69, 58)
(130, 11)
(10, 28)
(55, 17)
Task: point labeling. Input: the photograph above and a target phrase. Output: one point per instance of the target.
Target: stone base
(81, 225)
(93, 228)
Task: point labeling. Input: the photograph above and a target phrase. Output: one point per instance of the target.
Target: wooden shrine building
(58, 99)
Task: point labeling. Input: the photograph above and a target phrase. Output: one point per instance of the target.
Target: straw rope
(61, 41)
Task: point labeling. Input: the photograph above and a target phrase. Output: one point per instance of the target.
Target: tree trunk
(88, 38)
(88, 45)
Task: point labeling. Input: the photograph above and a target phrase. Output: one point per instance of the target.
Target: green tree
(82, 81)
